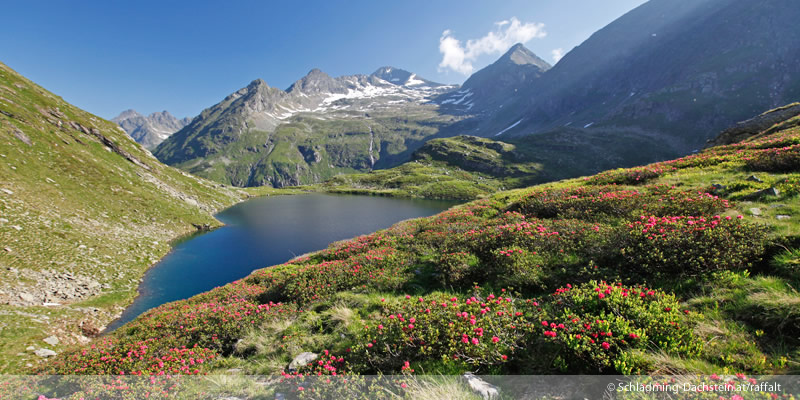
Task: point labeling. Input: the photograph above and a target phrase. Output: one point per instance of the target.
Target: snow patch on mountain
(507, 129)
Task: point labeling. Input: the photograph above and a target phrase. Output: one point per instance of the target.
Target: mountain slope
(497, 85)
(151, 130)
(469, 167)
(610, 275)
(676, 68)
(84, 210)
(319, 127)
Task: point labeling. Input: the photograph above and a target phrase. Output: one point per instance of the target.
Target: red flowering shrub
(667, 201)
(153, 356)
(630, 176)
(690, 245)
(696, 161)
(783, 159)
(380, 268)
(608, 203)
(476, 332)
(790, 186)
(597, 324)
(176, 338)
(588, 203)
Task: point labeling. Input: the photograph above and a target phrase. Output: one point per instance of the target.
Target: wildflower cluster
(177, 338)
(782, 159)
(597, 325)
(606, 203)
(475, 331)
(631, 176)
(690, 245)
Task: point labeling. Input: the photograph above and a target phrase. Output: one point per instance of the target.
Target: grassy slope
(104, 212)
(702, 294)
(468, 167)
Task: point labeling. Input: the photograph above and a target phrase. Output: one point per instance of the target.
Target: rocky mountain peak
(129, 113)
(314, 82)
(520, 55)
(392, 75)
(149, 130)
(256, 84)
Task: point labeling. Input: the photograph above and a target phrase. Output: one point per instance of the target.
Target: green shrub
(784, 159)
(689, 245)
(518, 268)
(463, 333)
(609, 203)
(458, 269)
(630, 176)
(598, 326)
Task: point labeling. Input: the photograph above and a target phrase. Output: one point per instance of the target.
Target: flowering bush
(690, 245)
(149, 357)
(630, 176)
(176, 338)
(598, 324)
(368, 268)
(790, 186)
(587, 203)
(609, 203)
(475, 332)
(783, 159)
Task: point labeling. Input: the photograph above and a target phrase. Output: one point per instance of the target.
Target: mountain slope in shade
(84, 211)
(318, 127)
(678, 69)
(498, 84)
(151, 130)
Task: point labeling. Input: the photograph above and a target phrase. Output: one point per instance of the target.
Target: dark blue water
(262, 232)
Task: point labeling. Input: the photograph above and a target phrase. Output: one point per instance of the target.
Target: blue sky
(107, 56)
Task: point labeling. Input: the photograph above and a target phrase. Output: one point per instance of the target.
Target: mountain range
(668, 72)
(317, 128)
(151, 130)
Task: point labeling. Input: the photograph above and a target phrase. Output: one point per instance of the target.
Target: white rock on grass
(51, 340)
(481, 387)
(302, 360)
(45, 353)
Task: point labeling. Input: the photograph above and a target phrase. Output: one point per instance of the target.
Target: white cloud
(460, 57)
(557, 54)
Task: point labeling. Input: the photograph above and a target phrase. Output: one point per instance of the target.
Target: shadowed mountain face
(499, 84)
(151, 130)
(679, 69)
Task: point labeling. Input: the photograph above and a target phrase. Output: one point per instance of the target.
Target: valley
(629, 209)
(385, 302)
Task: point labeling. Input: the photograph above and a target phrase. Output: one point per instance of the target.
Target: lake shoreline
(144, 292)
(247, 194)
